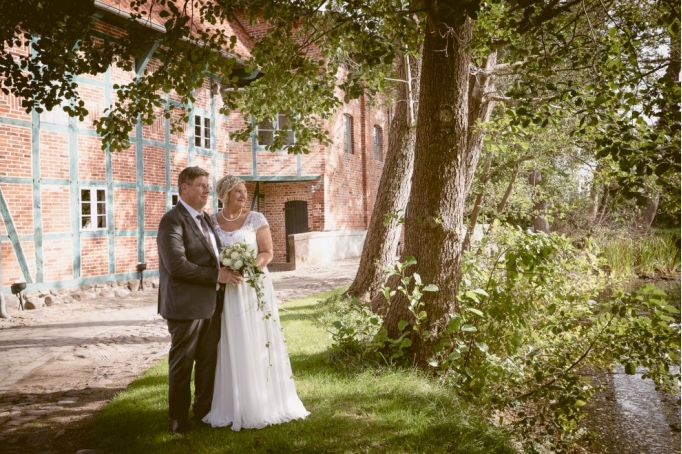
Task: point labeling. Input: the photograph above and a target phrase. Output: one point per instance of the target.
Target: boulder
(51, 299)
(121, 292)
(33, 303)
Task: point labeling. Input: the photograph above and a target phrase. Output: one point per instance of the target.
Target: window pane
(85, 222)
(85, 209)
(291, 139)
(197, 131)
(197, 120)
(207, 123)
(197, 141)
(265, 137)
(101, 222)
(207, 143)
(85, 195)
(284, 122)
(101, 208)
(265, 125)
(101, 197)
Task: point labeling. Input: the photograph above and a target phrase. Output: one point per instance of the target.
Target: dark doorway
(295, 219)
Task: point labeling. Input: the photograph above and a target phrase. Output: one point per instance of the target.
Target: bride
(254, 385)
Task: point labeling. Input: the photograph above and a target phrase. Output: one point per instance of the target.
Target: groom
(190, 298)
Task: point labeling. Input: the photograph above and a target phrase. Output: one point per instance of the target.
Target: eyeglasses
(205, 187)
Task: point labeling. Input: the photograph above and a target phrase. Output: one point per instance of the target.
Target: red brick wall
(15, 150)
(126, 254)
(54, 155)
(94, 256)
(57, 260)
(56, 211)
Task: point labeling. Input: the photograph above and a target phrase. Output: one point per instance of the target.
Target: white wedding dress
(254, 385)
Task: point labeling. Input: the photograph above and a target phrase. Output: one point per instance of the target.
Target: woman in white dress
(254, 385)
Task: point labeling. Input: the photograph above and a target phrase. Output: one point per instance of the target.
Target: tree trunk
(648, 213)
(478, 203)
(505, 198)
(540, 223)
(448, 148)
(381, 244)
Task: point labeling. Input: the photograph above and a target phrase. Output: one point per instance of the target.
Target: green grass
(370, 410)
(653, 254)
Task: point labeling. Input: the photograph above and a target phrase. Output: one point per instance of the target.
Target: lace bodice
(247, 233)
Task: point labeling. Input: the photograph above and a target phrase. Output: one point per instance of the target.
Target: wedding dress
(254, 385)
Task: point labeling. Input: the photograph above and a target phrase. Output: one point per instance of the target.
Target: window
(267, 128)
(378, 142)
(348, 134)
(202, 131)
(57, 115)
(93, 209)
(174, 199)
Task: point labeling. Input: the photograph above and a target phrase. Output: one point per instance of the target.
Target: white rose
(234, 255)
(229, 264)
(238, 264)
(226, 262)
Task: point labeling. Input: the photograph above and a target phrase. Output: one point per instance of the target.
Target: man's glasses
(205, 187)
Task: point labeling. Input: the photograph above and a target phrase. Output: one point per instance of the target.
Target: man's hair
(189, 174)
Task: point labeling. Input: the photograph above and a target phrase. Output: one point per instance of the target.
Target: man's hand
(228, 276)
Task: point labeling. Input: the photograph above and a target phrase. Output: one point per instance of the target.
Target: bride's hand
(228, 276)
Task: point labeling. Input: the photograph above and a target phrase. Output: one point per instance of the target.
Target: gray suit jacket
(188, 267)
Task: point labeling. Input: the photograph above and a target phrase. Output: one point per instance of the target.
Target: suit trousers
(194, 345)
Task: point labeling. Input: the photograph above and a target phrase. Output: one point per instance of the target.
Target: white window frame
(348, 134)
(378, 143)
(271, 126)
(93, 213)
(202, 132)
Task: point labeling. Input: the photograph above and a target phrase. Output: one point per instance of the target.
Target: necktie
(204, 228)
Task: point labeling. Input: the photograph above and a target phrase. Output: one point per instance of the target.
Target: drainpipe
(363, 149)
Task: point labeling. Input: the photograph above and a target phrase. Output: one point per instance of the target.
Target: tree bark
(540, 223)
(507, 193)
(381, 244)
(449, 140)
(648, 213)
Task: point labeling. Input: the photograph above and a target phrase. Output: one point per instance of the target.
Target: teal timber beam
(74, 197)
(14, 238)
(140, 191)
(167, 147)
(142, 62)
(254, 151)
(191, 149)
(37, 202)
(110, 182)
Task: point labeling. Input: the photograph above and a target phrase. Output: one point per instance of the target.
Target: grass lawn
(372, 410)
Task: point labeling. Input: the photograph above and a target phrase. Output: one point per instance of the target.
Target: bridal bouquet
(241, 258)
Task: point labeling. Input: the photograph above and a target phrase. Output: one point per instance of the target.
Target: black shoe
(179, 427)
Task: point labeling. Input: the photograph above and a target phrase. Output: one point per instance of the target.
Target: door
(295, 219)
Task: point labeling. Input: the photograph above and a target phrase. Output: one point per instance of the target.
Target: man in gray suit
(190, 297)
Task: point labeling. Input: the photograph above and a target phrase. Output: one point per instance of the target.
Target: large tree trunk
(447, 152)
(381, 244)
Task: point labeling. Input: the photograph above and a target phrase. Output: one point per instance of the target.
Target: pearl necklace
(233, 219)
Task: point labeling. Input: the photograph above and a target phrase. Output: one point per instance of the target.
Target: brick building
(72, 214)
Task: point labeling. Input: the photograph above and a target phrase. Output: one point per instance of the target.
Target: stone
(121, 292)
(134, 285)
(78, 297)
(86, 451)
(86, 287)
(107, 294)
(34, 303)
(52, 299)
(68, 299)
(71, 400)
(91, 295)
(60, 433)
(38, 438)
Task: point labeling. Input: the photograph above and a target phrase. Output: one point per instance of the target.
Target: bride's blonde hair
(225, 185)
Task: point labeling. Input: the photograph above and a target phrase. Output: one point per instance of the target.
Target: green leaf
(469, 328)
(474, 311)
(631, 368)
(402, 324)
(430, 288)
